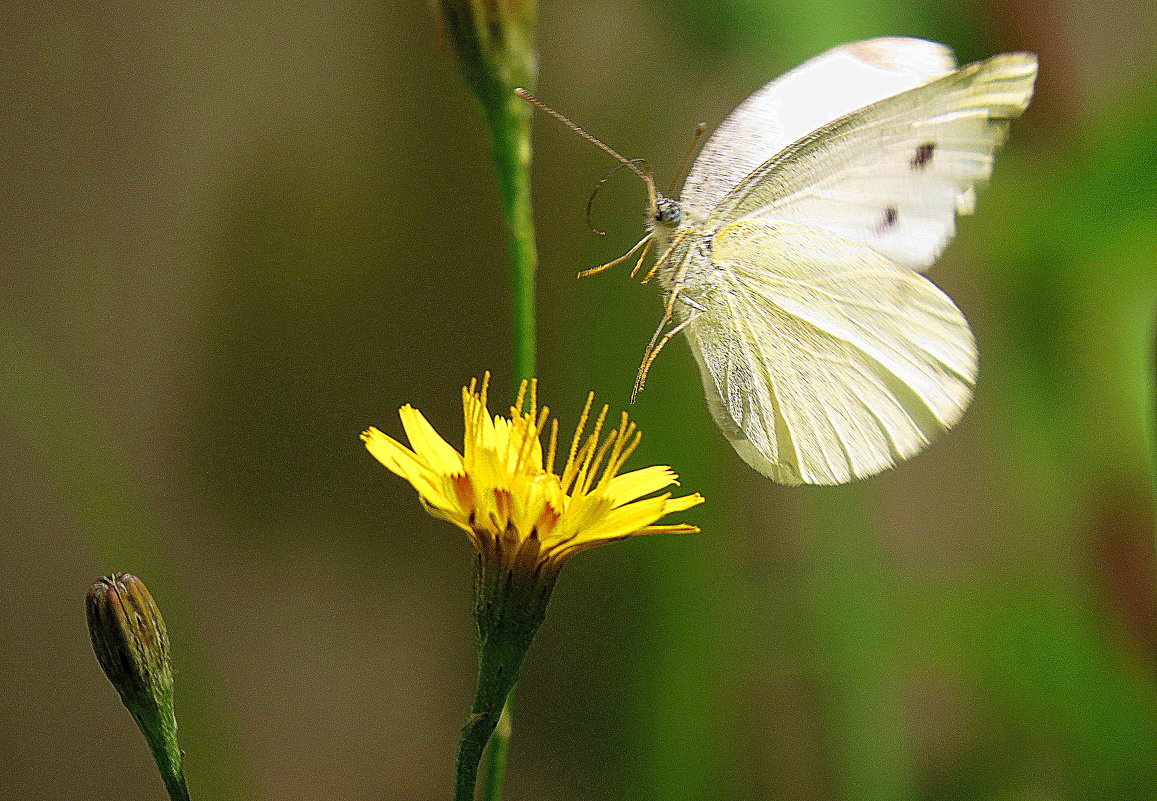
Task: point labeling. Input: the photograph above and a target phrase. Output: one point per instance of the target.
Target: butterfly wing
(810, 96)
(894, 174)
(822, 360)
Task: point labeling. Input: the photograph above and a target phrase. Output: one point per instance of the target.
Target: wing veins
(860, 326)
(778, 418)
(872, 359)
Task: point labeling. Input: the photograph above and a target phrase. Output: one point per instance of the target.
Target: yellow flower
(503, 491)
(525, 520)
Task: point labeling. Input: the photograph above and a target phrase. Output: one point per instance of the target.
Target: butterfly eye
(668, 211)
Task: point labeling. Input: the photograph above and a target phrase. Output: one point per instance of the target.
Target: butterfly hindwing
(822, 360)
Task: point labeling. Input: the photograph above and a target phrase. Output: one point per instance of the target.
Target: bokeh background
(235, 234)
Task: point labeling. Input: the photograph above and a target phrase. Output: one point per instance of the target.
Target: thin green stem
(485, 714)
(496, 756)
(167, 755)
(510, 140)
(474, 736)
(499, 656)
(509, 605)
(495, 48)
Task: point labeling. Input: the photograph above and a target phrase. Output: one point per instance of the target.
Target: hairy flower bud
(130, 640)
(132, 646)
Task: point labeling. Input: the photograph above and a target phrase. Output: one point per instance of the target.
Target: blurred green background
(236, 234)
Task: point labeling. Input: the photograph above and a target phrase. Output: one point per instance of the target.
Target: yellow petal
(577, 546)
(637, 483)
(453, 516)
(625, 520)
(407, 464)
(683, 502)
(582, 514)
(428, 443)
(676, 528)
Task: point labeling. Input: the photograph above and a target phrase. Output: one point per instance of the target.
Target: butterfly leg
(642, 258)
(653, 353)
(668, 312)
(595, 270)
(696, 306)
(663, 259)
(658, 339)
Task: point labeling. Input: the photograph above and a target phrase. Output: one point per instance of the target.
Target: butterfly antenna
(685, 163)
(637, 166)
(594, 192)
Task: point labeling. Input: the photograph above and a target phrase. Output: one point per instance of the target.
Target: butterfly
(791, 260)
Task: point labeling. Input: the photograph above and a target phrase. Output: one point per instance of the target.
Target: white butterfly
(791, 258)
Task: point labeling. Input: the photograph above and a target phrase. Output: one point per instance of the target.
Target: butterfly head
(666, 211)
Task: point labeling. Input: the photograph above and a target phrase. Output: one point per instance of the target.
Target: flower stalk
(494, 42)
(511, 593)
(498, 750)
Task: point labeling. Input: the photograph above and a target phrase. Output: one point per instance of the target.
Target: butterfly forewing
(894, 175)
(822, 360)
(833, 84)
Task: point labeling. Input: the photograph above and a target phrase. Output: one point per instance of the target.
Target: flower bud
(130, 640)
(132, 646)
(494, 40)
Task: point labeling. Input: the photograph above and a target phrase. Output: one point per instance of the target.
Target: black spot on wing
(891, 215)
(923, 156)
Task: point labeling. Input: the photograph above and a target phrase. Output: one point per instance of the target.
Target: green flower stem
(167, 754)
(494, 40)
(509, 606)
(485, 713)
(474, 736)
(508, 122)
(499, 746)
(510, 141)
(495, 45)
